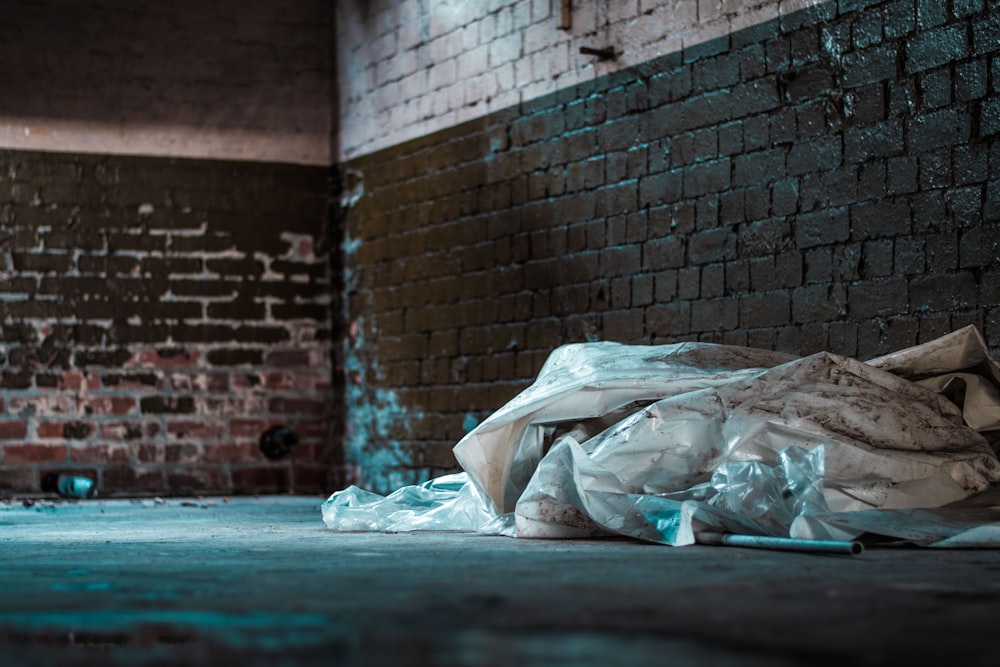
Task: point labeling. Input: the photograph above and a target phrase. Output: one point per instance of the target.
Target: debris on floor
(75, 487)
(666, 443)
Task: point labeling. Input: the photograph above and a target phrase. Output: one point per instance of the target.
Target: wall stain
(374, 454)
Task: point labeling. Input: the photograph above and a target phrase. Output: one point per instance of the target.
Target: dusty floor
(262, 582)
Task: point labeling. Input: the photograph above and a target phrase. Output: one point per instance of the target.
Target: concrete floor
(262, 582)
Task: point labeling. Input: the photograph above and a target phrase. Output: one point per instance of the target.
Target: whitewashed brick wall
(410, 67)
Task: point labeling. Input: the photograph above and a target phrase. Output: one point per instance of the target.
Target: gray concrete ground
(260, 581)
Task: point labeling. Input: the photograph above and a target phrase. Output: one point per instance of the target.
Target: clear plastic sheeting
(974, 522)
(661, 443)
(444, 503)
(585, 388)
(573, 497)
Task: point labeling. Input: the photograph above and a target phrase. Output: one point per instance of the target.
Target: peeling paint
(354, 189)
(380, 461)
(350, 246)
(374, 415)
(470, 422)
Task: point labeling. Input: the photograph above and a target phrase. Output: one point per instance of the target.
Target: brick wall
(157, 315)
(410, 67)
(825, 180)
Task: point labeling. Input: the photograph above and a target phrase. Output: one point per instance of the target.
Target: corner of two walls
(166, 250)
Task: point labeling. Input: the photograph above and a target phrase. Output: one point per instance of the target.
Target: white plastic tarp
(663, 442)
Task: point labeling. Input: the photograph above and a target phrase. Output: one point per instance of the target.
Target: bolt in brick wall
(824, 180)
(156, 315)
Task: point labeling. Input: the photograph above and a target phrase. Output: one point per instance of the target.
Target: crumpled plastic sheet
(974, 522)
(663, 442)
(444, 503)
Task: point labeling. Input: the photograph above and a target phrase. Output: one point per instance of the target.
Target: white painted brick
(420, 108)
(456, 95)
(441, 23)
(392, 96)
(409, 114)
(522, 15)
(497, 5)
(455, 43)
(541, 66)
(438, 50)
(504, 100)
(676, 13)
(478, 56)
(487, 28)
(717, 28)
(505, 76)
(411, 33)
(467, 113)
(414, 85)
(473, 63)
(792, 6)
(488, 85)
(409, 12)
(541, 9)
(442, 74)
(387, 18)
(386, 71)
(440, 104)
(663, 46)
(559, 58)
(709, 10)
(522, 73)
(535, 89)
(538, 37)
(470, 36)
(505, 49)
(472, 90)
(585, 18)
(621, 10)
(504, 22)
(749, 17)
(409, 63)
(385, 46)
(422, 56)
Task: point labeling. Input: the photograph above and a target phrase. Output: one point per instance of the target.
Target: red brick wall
(156, 315)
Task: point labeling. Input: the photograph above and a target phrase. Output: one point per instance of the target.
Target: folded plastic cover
(662, 442)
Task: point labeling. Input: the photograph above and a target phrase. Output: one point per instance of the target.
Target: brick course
(156, 315)
(824, 180)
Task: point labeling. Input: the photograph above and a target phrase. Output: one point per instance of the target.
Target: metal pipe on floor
(780, 543)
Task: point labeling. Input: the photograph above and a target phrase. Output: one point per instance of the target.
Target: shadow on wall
(229, 64)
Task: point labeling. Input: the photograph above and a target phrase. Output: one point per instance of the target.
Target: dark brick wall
(826, 181)
(156, 315)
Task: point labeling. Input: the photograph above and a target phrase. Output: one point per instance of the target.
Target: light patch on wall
(164, 140)
(470, 422)
(353, 190)
(413, 67)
